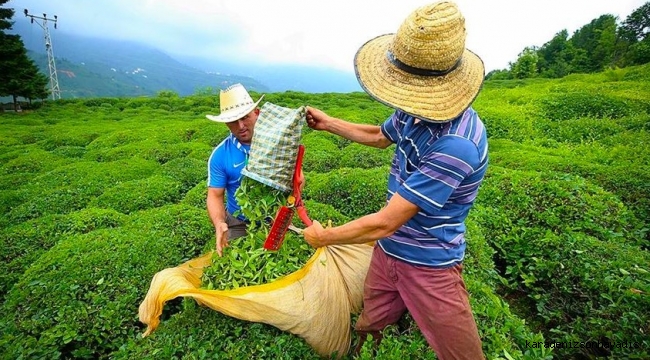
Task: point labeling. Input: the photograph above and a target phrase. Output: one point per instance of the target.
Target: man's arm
(217, 213)
(365, 229)
(370, 135)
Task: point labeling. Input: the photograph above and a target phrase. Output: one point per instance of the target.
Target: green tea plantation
(98, 195)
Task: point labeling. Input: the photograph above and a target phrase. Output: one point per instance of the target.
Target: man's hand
(221, 232)
(316, 119)
(314, 235)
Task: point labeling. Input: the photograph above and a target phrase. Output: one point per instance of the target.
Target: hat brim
(234, 114)
(431, 98)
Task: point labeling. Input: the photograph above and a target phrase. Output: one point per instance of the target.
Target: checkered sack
(274, 147)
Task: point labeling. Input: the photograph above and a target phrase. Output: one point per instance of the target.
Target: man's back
(438, 167)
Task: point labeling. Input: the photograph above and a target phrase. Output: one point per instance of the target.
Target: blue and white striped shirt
(439, 168)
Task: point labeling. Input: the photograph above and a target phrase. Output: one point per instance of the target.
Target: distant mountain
(91, 67)
(308, 79)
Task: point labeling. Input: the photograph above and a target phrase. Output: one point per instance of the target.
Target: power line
(54, 80)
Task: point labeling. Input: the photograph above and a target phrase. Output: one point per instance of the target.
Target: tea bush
(365, 157)
(149, 149)
(578, 130)
(67, 138)
(73, 152)
(32, 160)
(614, 168)
(321, 153)
(196, 196)
(22, 244)
(573, 105)
(554, 245)
(507, 123)
(353, 192)
(202, 333)
(56, 201)
(142, 194)
(80, 299)
(187, 171)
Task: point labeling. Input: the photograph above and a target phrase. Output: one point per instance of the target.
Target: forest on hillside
(98, 195)
(602, 44)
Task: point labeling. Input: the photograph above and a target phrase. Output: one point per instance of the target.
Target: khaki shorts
(236, 227)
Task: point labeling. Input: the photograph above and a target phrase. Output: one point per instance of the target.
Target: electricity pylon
(54, 80)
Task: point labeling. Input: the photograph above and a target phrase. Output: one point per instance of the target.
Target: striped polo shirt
(224, 169)
(438, 167)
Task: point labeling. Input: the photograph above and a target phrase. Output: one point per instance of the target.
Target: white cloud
(315, 32)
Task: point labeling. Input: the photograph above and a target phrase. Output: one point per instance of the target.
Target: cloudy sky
(321, 33)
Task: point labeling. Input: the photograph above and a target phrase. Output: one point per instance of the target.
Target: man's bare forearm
(370, 135)
(216, 209)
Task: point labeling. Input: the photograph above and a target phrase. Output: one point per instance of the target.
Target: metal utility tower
(54, 80)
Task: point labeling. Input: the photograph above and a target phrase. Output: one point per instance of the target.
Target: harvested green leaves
(244, 261)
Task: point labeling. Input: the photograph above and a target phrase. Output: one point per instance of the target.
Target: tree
(556, 56)
(19, 76)
(526, 64)
(598, 39)
(634, 31)
(637, 25)
(501, 74)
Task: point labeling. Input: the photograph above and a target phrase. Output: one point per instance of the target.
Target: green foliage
(526, 64)
(365, 157)
(31, 159)
(19, 75)
(80, 299)
(574, 105)
(137, 195)
(614, 166)
(246, 262)
(187, 171)
(321, 152)
(352, 191)
(22, 244)
(196, 196)
(557, 242)
(596, 46)
(324, 213)
(201, 333)
(579, 272)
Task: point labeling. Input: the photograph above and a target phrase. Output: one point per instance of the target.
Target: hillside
(92, 67)
(98, 195)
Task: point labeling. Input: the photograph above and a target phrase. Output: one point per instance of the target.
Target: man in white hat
(428, 76)
(239, 112)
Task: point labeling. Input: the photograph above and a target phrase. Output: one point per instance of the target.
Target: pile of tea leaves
(245, 262)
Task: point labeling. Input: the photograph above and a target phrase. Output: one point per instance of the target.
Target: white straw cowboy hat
(235, 103)
(424, 69)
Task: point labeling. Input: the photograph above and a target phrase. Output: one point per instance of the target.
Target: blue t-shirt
(224, 169)
(439, 168)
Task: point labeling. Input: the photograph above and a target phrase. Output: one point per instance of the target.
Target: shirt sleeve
(216, 172)
(440, 172)
(391, 128)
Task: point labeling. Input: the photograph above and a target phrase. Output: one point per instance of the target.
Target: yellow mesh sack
(314, 302)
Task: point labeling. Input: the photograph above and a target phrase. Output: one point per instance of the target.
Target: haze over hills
(94, 67)
(90, 67)
(310, 79)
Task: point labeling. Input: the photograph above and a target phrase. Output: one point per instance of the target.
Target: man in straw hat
(239, 112)
(425, 73)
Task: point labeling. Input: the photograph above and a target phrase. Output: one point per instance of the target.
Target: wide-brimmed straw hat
(235, 103)
(424, 69)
